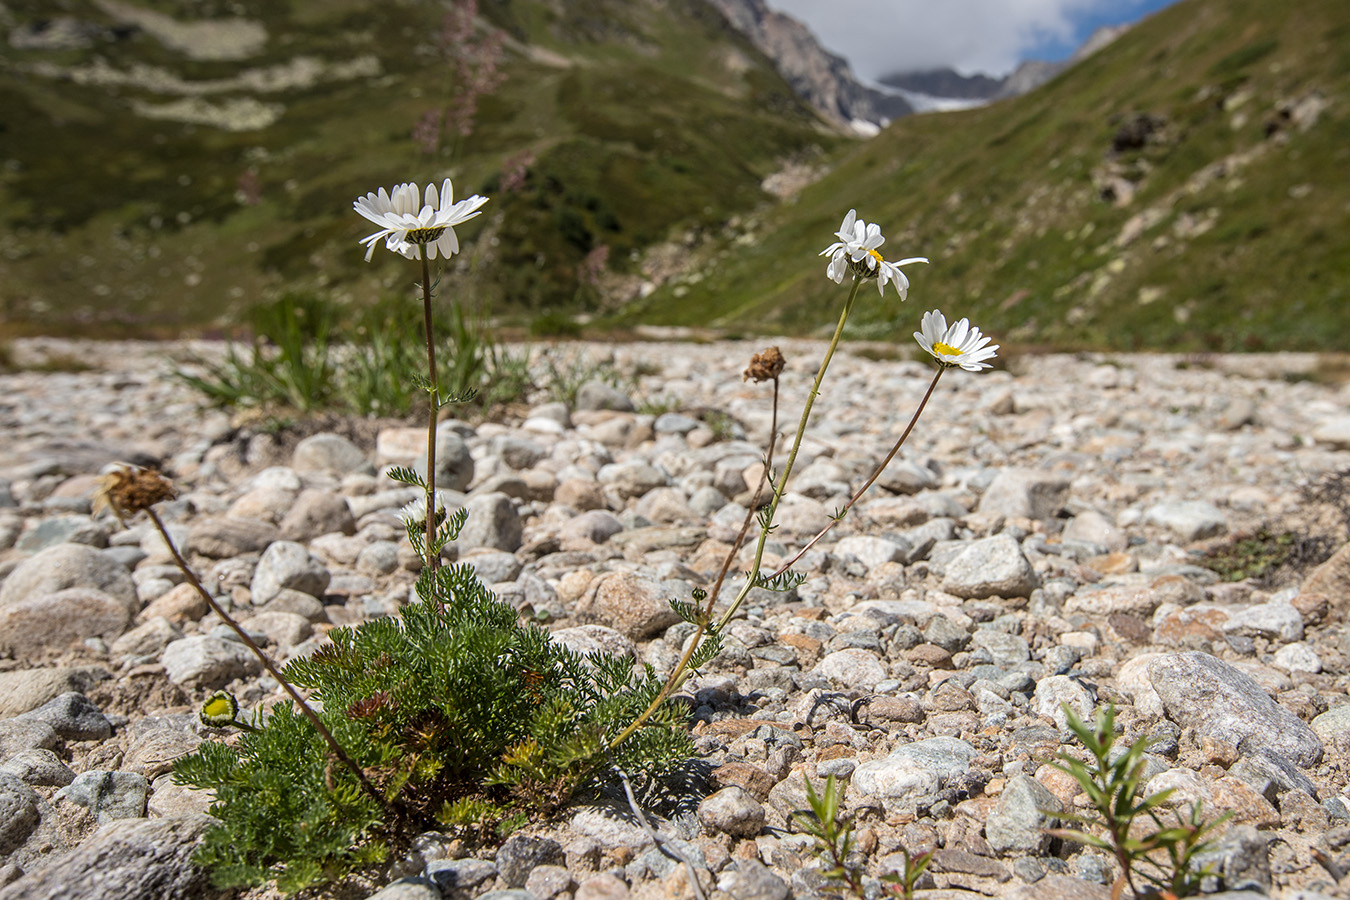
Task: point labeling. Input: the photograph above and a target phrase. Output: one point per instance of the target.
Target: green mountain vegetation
(1184, 188)
(167, 165)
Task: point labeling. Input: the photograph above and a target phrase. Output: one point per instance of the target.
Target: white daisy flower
(856, 251)
(409, 220)
(415, 512)
(960, 345)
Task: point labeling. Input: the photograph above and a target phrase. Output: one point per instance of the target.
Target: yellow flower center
(877, 256)
(424, 235)
(946, 349)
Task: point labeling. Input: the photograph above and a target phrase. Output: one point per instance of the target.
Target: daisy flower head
(856, 252)
(414, 514)
(960, 345)
(410, 220)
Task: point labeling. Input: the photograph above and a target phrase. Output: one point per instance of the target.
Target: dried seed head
(128, 489)
(765, 366)
(367, 707)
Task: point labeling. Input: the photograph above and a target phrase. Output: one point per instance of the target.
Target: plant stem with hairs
(434, 396)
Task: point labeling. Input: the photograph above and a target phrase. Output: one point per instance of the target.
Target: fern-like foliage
(462, 716)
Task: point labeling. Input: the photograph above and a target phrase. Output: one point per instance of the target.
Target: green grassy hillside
(157, 177)
(1185, 188)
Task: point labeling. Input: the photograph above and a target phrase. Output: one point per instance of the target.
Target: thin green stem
(266, 660)
(681, 671)
(781, 486)
(876, 473)
(434, 390)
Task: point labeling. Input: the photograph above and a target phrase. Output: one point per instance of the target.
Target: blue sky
(991, 36)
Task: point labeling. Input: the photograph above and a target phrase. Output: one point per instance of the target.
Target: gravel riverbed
(1036, 543)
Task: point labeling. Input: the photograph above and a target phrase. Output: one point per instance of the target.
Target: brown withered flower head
(765, 366)
(370, 706)
(128, 489)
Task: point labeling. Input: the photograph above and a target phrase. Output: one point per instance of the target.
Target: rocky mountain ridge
(825, 80)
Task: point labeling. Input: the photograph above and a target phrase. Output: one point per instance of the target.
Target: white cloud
(991, 36)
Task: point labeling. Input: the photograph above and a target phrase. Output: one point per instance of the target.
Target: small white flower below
(960, 345)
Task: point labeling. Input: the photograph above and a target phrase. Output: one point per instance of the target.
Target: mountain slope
(169, 164)
(1182, 188)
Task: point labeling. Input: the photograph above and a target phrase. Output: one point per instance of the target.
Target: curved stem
(433, 558)
(266, 660)
(876, 473)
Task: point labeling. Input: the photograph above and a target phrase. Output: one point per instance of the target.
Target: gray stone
(73, 717)
(152, 753)
(69, 566)
(596, 395)
(1277, 621)
(108, 795)
(411, 889)
(314, 513)
(518, 856)
(631, 479)
(132, 859)
(905, 477)
(457, 879)
(327, 452)
(732, 810)
(1334, 431)
(25, 689)
(1025, 494)
(492, 521)
(674, 423)
(18, 735)
(379, 558)
(282, 629)
(19, 813)
(750, 879)
(493, 566)
(297, 602)
(607, 886)
(1241, 859)
(454, 462)
(1221, 702)
(287, 564)
(546, 882)
(1003, 649)
(636, 606)
(147, 639)
(852, 668)
(1298, 657)
(1019, 821)
(224, 537)
(911, 775)
(990, 567)
(61, 530)
(37, 767)
(518, 452)
(1333, 726)
(872, 552)
(1092, 527)
(1189, 520)
(1271, 774)
(596, 526)
(1053, 693)
(42, 621)
(208, 663)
